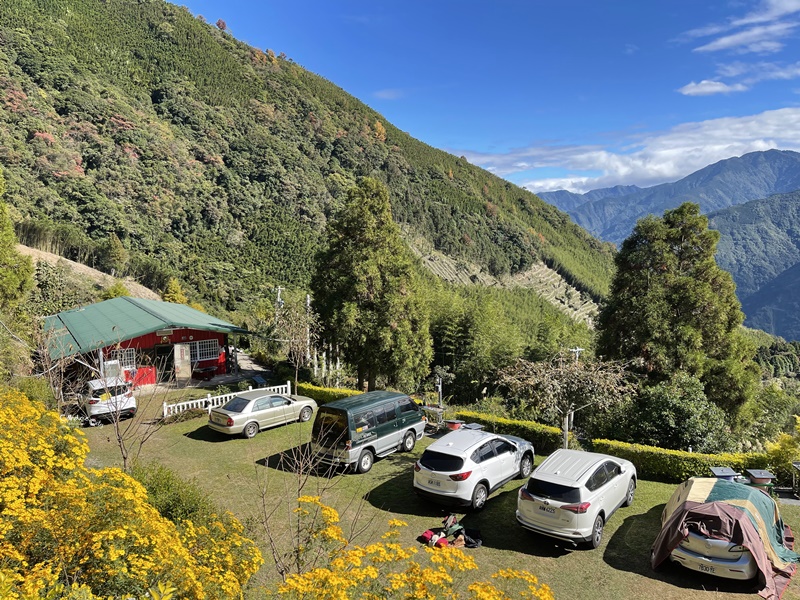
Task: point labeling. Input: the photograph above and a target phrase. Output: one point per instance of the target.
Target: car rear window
(330, 427)
(439, 461)
(236, 405)
(553, 491)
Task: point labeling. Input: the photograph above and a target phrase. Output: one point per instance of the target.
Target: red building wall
(151, 340)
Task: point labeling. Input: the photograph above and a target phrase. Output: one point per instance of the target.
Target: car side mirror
(622, 470)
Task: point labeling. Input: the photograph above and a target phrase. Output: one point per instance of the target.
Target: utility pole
(308, 327)
(577, 352)
(278, 303)
(570, 412)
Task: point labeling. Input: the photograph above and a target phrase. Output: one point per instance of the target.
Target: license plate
(434, 483)
(706, 569)
(548, 509)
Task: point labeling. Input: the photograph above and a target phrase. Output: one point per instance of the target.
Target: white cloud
(760, 39)
(708, 88)
(769, 10)
(652, 159)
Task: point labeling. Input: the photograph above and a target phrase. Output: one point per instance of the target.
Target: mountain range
(611, 213)
(751, 200)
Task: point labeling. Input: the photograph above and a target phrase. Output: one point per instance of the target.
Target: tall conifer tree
(367, 294)
(672, 309)
(16, 270)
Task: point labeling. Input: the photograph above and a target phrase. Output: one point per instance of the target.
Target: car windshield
(236, 405)
(110, 391)
(439, 461)
(553, 491)
(330, 427)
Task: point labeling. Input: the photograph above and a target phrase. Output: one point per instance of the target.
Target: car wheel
(250, 430)
(525, 466)
(597, 531)
(305, 414)
(365, 461)
(409, 441)
(630, 494)
(479, 496)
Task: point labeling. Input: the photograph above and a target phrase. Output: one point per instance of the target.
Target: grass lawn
(248, 477)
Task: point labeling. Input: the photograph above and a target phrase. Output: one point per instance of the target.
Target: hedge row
(545, 439)
(652, 463)
(324, 395)
(674, 466)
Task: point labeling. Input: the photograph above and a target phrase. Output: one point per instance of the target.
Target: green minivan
(356, 430)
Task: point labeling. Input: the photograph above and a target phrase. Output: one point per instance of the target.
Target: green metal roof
(88, 328)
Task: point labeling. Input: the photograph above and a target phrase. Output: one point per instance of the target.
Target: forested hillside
(144, 141)
(760, 246)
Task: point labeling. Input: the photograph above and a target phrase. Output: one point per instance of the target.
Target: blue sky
(554, 94)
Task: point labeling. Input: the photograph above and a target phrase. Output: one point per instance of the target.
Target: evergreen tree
(174, 292)
(367, 295)
(16, 270)
(672, 309)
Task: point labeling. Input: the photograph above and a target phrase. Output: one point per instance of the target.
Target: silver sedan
(249, 412)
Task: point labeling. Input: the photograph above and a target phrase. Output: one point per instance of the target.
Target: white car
(466, 465)
(572, 494)
(108, 399)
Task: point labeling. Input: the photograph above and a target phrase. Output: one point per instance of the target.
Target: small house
(143, 341)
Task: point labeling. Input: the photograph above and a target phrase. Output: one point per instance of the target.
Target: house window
(125, 356)
(204, 350)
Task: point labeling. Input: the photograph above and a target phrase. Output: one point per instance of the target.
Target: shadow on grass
(206, 434)
(499, 528)
(299, 459)
(629, 550)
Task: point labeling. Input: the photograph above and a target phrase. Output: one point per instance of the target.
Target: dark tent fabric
(738, 520)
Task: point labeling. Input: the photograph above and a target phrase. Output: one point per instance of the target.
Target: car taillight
(578, 509)
(229, 422)
(416, 466)
(348, 444)
(93, 401)
(524, 495)
(461, 476)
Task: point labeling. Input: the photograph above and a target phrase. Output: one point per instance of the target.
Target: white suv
(466, 465)
(108, 399)
(572, 494)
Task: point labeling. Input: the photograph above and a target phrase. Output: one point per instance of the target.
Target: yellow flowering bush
(67, 531)
(387, 569)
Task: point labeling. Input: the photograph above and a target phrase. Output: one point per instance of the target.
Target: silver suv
(572, 494)
(464, 466)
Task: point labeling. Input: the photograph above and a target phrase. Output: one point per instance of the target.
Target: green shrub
(175, 499)
(323, 395)
(674, 466)
(545, 438)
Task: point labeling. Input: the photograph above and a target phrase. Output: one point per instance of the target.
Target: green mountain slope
(221, 163)
(760, 246)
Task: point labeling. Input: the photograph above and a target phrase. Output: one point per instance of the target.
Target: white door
(183, 363)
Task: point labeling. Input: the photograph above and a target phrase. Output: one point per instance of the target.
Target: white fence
(210, 401)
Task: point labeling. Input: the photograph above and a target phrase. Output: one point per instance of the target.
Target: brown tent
(734, 514)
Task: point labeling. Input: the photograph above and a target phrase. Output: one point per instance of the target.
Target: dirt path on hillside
(102, 279)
